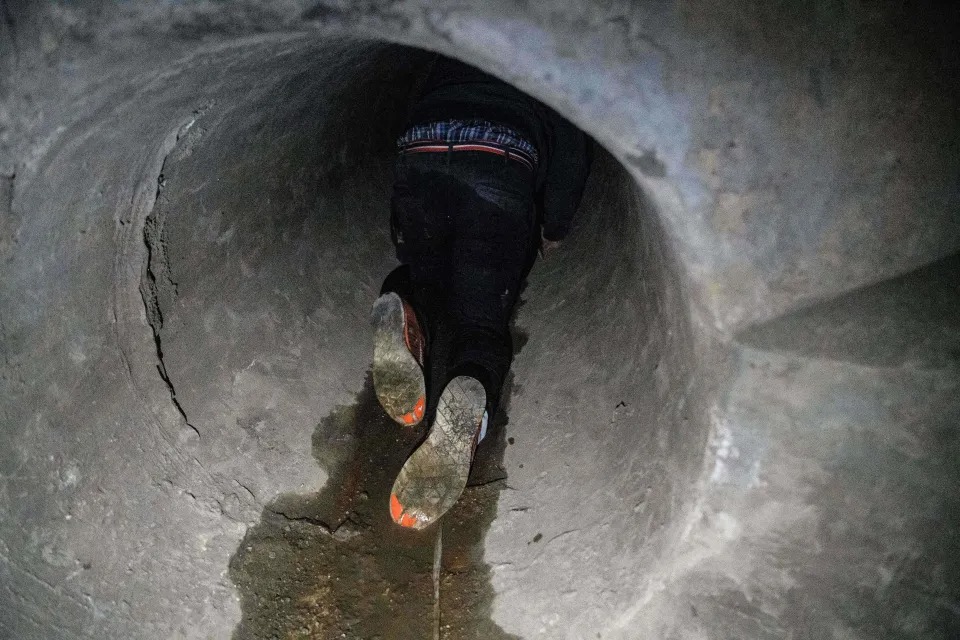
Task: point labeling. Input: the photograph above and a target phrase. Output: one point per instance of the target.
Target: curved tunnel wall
(239, 286)
(173, 333)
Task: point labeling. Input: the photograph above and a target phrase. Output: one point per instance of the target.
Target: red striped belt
(437, 146)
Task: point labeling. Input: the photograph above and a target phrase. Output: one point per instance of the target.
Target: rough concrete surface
(735, 403)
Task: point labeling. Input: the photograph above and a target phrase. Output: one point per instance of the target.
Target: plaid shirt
(467, 131)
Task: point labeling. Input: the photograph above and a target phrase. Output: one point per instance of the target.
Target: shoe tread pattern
(435, 475)
(397, 376)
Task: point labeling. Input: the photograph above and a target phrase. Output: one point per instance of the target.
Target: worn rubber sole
(397, 376)
(433, 478)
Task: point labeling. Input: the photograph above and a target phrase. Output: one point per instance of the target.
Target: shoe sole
(433, 478)
(397, 376)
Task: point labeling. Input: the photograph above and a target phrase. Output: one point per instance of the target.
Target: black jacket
(454, 90)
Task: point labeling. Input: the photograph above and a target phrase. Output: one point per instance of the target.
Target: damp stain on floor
(333, 564)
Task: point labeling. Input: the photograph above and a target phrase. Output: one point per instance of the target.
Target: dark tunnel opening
(268, 241)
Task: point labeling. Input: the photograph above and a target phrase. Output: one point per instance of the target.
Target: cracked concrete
(154, 288)
(735, 413)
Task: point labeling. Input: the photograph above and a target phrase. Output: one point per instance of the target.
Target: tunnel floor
(334, 565)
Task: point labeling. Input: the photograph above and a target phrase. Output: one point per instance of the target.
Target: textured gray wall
(783, 462)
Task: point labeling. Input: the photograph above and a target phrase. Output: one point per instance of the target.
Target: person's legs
(407, 313)
(463, 225)
(492, 248)
(420, 226)
(489, 201)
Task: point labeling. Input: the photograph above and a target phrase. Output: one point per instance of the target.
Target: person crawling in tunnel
(486, 177)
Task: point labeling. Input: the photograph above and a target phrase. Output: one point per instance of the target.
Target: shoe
(433, 478)
(398, 354)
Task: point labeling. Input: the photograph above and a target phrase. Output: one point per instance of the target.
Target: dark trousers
(465, 229)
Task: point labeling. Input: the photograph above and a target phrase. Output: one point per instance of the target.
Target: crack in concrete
(305, 519)
(155, 320)
(150, 285)
(345, 530)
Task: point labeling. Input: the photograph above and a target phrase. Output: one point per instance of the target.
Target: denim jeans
(465, 230)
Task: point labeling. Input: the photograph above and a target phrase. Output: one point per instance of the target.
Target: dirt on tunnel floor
(334, 565)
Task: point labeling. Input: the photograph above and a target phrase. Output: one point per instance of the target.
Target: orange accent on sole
(396, 512)
(417, 414)
(396, 509)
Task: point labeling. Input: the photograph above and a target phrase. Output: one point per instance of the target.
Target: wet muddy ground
(334, 565)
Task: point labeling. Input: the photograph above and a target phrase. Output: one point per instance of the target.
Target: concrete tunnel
(734, 405)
